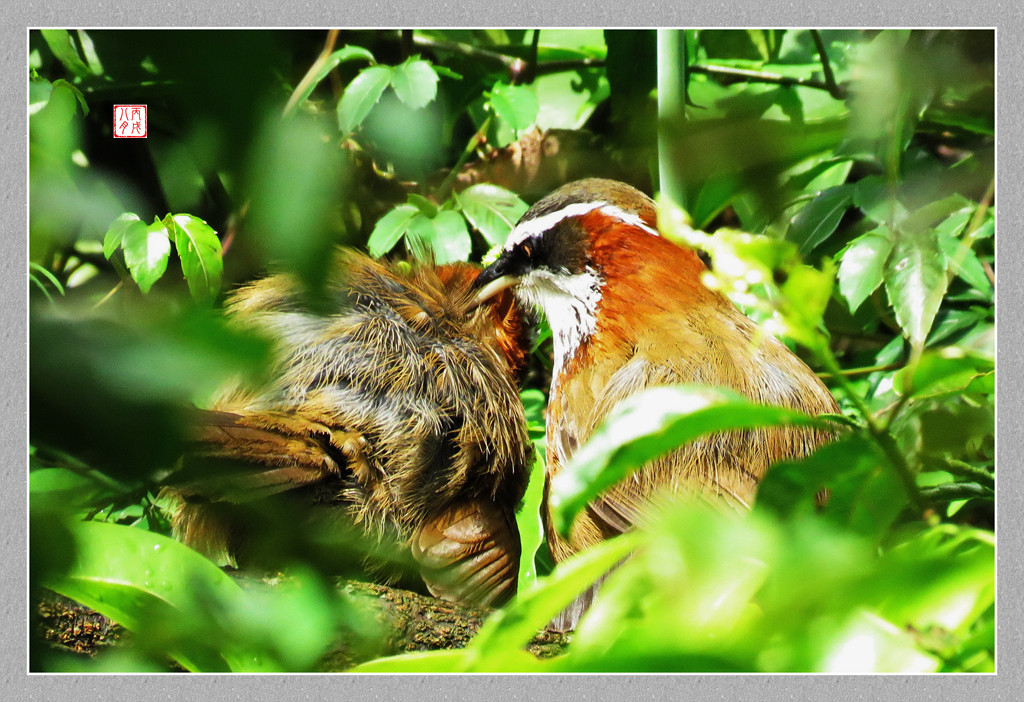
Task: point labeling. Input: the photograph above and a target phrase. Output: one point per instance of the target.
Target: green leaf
(514, 104)
(115, 234)
(199, 250)
(447, 72)
(915, 280)
(36, 268)
(650, 424)
(817, 221)
(146, 250)
(809, 290)
(764, 41)
(529, 520)
(425, 206)
(970, 268)
(877, 201)
(941, 372)
(451, 240)
(492, 210)
(361, 95)
(59, 41)
(63, 484)
(415, 82)
(451, 661)
(342, 55)
(865, 495)
(419, 237)
(136, 577)
(952, 570)
(933, 213)
(860, 270)
(390, 228)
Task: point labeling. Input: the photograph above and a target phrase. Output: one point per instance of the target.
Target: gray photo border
(1004, 15)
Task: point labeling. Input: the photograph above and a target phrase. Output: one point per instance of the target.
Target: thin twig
(956, 491)
(474, 141)
(464, 49)
(751, 76)
(969, 236)
(989, 272)
(962, 468)
(826, 68)
(109, 294)
(506, 60)
(863, 371)
(549, 67)
(300, 89)
(881, 435)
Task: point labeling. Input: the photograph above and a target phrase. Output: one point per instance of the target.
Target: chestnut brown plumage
(627, 311)
(400, 406)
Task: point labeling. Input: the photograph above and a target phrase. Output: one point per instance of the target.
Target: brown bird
(628, 311)
(400, 409)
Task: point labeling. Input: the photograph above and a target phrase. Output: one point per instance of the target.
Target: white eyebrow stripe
(533, 227)
(628, 218)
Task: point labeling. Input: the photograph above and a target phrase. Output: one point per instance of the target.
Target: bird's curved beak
(492, 280)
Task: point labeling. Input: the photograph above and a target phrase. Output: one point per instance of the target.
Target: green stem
(826, 68)
(671, 108)
(961, 468)
(474, 141)
(751, 76)
(848, 372)
(969, 236)
(304, 86)
(956, 491)
(883, 439)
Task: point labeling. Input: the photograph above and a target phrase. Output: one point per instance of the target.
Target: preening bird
(399, 409)
(628, 311)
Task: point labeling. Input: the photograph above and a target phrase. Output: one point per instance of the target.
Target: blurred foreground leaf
(647, 425)
(135, 577)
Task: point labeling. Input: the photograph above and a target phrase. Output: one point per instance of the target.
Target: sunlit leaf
(915, 280)
(817, 221)
(861, 266)
(59, 41)
(647, 425)
(361, 95)
(515, 105)
(529, 519)
(808, 290)
(962, 261)
(342, 55)
(199, 250)
(451, 238)
(114, 237)
(492, 210)
(390, 228)
(415, 82)
(941, 372)
(146, 250)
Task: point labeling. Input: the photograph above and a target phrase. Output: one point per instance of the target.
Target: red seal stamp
(130, 122)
